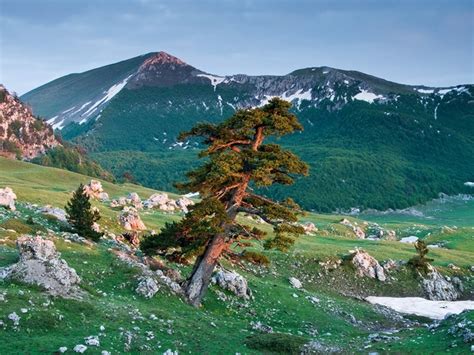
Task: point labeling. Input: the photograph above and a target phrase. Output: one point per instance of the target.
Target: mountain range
(370, 143)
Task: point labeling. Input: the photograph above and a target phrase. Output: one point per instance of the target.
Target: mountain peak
(162, 58)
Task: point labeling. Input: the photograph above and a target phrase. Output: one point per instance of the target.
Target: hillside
(379, 144)
(327, 310)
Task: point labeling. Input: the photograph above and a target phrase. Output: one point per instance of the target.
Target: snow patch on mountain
(215, 80)
(367, 96)
(109, 94)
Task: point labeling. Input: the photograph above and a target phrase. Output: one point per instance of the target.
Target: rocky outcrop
(7, 198)
(22, 134)
(147, 287)
(94, 190)
(130, 219)
(438, 288)
(367, 265)
(232, 281)
(358, 231)
(40, 264)
(162, 202)
(295, 282)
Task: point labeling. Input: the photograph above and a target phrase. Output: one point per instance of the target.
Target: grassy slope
(186, 329)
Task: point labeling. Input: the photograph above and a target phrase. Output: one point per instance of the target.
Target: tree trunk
(201, 275)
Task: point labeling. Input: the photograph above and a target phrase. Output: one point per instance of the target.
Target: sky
(407, 41)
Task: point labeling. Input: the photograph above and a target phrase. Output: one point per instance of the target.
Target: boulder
(367, 265)
(40, 264)
(359, 232)
(438, 288)
(7, 198)
(59, 213)
(234, 282)
(183, 203)
(135, 200)
(130, 219)
(309, 227)
(295, 282)
(103, 196)
(156, 200)
(94, 189)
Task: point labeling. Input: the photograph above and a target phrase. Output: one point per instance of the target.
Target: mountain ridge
(371, 143)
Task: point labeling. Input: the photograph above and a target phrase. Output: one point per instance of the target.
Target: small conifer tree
(420, 261)
(81, 216)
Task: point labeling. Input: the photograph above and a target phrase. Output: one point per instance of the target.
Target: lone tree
(237, 160)
(420, 261)
(81, 216)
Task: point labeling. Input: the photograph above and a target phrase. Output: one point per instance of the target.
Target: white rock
(80, 348)
(40, 264)
(92, 340)
(7, 198)
(309, 227)
(234, 282)
(62, 349)
(295, 282)
(130, 219)
(147, 287)
(410, 239)
(105, 352)
(15, 318)
(368, 266)
(94, 189)
(59, 213)
(438, 288)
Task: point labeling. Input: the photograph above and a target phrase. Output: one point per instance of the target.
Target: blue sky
(407, 41)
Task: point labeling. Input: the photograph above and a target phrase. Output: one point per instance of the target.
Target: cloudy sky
(408, 41)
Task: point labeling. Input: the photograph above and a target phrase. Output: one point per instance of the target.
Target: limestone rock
(40, 264)
(147, 287)
(234, 282)
(309, 228)
(367, 265)
(59, 213)
(295, 282)
(130, 219)
(438, 288)
(94, 189)
(7, 198)
(183, 203)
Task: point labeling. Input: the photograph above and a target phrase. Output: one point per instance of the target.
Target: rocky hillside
(370, 142)
(22, 134)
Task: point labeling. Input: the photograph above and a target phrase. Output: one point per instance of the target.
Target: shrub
(256, 258)
(276, 343)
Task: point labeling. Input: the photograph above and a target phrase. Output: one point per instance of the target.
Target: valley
(327, 310)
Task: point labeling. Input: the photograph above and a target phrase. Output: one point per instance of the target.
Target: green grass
(218, 327)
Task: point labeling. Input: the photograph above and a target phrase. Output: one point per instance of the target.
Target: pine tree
(81, 216)
(237, 160)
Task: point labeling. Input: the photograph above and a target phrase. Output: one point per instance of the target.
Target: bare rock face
(40, 264)
(130, 219)
(7, 198)
(438, 288)
(234, 282)
(27, 135)
(94, 190)
(367, 265)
